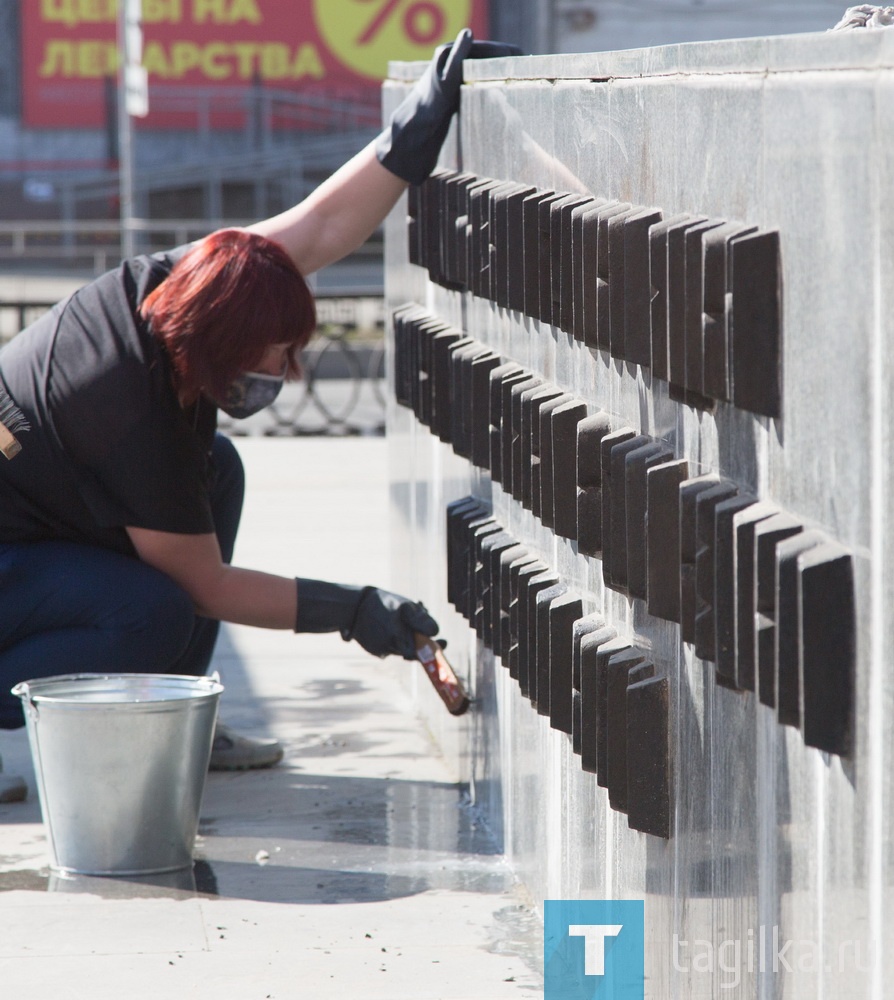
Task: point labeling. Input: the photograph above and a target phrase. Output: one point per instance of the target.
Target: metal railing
(266, 110)
(341, 393)
(95, 245)
(296, 168)
(92, 247)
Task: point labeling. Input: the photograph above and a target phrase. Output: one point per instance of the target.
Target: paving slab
(358, 867)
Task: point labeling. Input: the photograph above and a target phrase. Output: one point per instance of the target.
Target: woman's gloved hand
(410, 145)
(383, 623)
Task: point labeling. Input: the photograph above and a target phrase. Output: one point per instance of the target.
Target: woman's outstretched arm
(337, 217)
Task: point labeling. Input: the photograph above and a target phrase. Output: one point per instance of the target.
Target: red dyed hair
(224, 303)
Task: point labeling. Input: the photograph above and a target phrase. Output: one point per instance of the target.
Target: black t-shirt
(109, 445)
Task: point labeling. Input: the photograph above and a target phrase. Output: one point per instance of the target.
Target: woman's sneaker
(232, 752)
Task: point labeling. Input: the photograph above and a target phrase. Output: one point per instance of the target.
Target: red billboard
(330, 50)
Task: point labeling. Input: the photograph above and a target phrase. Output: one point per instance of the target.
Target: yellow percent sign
(366, 34)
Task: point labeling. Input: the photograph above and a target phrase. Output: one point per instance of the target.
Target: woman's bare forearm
(218, 590)
(338, 216)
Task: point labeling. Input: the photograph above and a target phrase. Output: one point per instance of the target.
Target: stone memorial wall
(639, 327)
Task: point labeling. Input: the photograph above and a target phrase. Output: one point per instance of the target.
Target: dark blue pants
(70, 608)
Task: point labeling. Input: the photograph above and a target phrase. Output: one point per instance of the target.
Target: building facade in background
(253, 102)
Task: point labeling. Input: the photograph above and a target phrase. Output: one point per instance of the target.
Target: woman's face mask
(251, 392)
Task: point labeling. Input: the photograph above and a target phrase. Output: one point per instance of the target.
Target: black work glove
(410, 145)
(383, 623)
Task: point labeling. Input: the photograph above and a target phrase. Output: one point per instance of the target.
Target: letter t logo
(594, 936)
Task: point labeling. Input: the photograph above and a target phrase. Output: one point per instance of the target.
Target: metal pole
(125, 141)
(133, 99)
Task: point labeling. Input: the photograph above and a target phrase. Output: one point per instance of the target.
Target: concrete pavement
(357, 868)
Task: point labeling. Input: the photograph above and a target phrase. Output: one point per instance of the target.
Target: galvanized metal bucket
(121, 761)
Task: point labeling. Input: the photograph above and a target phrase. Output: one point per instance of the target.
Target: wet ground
(357, 868)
